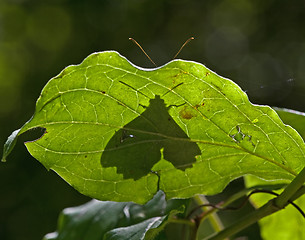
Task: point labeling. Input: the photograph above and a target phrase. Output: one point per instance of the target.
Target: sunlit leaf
(117, 132)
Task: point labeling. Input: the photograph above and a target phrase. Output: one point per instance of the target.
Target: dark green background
(259, 44)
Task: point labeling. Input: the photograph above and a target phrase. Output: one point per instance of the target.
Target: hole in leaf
(34, 134)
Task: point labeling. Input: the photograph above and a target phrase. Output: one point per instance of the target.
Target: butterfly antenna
(186, 42)
(143, 51)
(133, 88)
(172, 89)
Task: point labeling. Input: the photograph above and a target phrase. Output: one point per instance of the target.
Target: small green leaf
(112, 220)
(118, 132)
(135, 232)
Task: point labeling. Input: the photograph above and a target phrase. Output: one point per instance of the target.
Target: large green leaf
(117, 132)
(112, 220)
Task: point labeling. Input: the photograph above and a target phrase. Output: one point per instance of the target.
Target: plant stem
(246, 221)
(293, 190)
(213, 217)
(298, 194)
(187, 233)
(282, 200)
(243, 193)
(182, 221)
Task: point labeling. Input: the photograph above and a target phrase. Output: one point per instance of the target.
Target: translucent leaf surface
(117, 132)
(112, 220)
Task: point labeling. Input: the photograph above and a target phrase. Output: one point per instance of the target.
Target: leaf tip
(9, 144)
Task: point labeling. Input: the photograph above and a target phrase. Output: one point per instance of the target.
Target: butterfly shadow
(140, 144)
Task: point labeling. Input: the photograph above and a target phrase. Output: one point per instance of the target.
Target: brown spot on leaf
(180, 73)
(186, 113)
(198, 105)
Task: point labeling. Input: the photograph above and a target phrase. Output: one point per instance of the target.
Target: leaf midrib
(160, 135)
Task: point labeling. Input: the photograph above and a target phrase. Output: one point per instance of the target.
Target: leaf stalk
(282, 200)
(293, 191)
(213, 217)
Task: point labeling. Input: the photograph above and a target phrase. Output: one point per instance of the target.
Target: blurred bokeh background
(258, 44)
